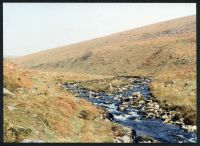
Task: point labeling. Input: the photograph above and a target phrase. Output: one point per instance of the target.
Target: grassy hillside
(42, 110)
(166, 51)
(148, 49)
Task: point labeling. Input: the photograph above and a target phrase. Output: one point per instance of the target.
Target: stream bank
(135, 107)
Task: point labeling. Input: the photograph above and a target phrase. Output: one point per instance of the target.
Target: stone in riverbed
(108, 115)
(145, 139)
(141, 102)
(121, 108)
(166, 121)
(126, 139)
(165, 117)
(150, 110)
(190, 128)
(130, 133)
(149, 105)
(194, 128)
(156, 106)
(135, 103)
(130, 97)
(150, 115)
(143, 109)
(123, 134)
(136, 94)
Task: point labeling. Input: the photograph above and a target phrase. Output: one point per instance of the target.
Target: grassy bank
(45, 111)
(178, 90)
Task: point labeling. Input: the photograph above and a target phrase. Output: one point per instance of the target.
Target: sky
(33, 27)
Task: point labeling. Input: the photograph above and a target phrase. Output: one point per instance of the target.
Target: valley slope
(149, 49)
(166, 51)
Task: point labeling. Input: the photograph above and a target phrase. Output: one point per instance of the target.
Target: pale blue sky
(32, 27)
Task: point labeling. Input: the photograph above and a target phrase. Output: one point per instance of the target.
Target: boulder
(141, 102)
(194, 128)
(11, 108)
(126, 139)
(7, 92)
(149, 105)
(165, 117)
(32, 141)
(108, 115)
(190, 128)
(145, 139)
(130, 97)
(136, 94)
(121, 108)
(83, 114)
(118, 131)
(150, 115)
(166, 121)
(156, 106)
(150, 110)
(131, 134)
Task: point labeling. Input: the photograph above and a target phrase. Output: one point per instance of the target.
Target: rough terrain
(164, 52)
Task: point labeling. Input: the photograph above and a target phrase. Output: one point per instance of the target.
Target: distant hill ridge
(149, 49)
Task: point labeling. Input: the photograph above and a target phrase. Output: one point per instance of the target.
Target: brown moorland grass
(45, 111)
(178, 90)
(13, 78)
(120, 53)
(166, 51)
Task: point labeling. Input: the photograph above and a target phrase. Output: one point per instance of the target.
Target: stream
(131, 116)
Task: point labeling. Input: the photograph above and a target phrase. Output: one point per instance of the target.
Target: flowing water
(165, 133)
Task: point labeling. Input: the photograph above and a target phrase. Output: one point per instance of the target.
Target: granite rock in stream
(145, 139)
(124, 134)
(108, 115)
